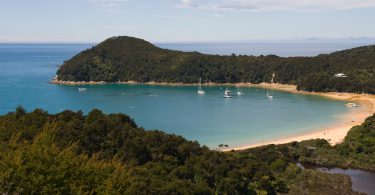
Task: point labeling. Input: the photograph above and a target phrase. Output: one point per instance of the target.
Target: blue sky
(184, 20)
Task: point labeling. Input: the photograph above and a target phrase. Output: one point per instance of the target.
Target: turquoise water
(210, 119)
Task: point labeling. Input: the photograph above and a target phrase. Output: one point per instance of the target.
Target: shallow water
(210, 119)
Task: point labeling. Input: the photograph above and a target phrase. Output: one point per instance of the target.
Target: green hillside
(132, 59)
(72, 153)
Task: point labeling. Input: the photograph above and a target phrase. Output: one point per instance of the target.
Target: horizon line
(289, 40)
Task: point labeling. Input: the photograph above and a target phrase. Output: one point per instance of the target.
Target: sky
(164, 21)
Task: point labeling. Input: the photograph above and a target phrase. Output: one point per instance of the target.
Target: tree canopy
(97, 153)
(132, 59)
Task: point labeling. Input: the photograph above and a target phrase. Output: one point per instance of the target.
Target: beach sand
(334, 134)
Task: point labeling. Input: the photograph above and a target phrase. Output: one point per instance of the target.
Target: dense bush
(131, 59)
(70, 153)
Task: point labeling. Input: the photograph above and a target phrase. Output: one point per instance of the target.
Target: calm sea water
(210, 119)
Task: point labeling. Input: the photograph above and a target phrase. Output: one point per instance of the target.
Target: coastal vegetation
(357, 149)
(131, 59)
(97, 153)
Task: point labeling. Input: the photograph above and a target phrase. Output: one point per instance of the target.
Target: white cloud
(112, 6)
(187, 2)
(173, 17)
(108, 3)
(270, 5)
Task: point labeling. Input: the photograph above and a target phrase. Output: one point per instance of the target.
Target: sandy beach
(334, 134)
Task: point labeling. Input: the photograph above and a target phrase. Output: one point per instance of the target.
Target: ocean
(209, 119)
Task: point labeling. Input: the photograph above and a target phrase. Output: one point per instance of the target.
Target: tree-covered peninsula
(73, 153)
(131, 59)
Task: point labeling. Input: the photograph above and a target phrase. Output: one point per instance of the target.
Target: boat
(200, 91)
(270, 97)
(82, 89)
(227, 93)
(239, 91)
(352, 105)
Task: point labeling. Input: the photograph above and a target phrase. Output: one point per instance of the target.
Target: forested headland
(97, 153)
(131, 59)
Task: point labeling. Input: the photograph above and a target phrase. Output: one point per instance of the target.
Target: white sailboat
(239, 91)
(227, 93)
(269, 96)
(200, 91)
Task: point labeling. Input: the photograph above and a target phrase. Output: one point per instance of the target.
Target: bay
(210, 119)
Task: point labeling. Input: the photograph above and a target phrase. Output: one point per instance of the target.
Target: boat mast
(200, 84)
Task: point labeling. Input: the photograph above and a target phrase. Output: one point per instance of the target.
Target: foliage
(131, 59)
(98, 153)
(72, 153)
(357, 150)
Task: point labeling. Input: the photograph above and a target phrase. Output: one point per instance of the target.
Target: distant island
(128, 59)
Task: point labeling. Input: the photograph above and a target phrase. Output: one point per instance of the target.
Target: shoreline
(283, 87)
(334, 133)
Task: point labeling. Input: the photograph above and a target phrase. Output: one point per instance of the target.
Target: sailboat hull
(200, 91)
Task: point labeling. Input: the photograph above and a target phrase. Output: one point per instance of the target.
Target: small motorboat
(352, 105)
(82, 89)
(227, 93)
